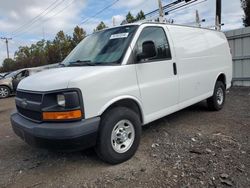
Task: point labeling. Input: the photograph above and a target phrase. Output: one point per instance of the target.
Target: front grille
(32, 109)
(29, 96)
(33, 115)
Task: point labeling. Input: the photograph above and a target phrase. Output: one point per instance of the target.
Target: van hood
(59, 78)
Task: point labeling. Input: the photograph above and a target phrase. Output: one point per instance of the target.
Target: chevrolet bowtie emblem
(24, 103)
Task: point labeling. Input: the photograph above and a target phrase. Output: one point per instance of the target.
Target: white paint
(201, 56)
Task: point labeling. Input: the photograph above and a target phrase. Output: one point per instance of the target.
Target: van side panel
(198, 64)
(194, 66)
(220, 54)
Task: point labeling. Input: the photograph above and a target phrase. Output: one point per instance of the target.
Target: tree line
(46, 52)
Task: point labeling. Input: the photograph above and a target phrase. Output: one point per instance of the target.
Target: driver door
(157, 76)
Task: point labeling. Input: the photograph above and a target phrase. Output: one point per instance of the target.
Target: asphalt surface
(191, 148)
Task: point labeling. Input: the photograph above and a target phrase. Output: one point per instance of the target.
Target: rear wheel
(216, 102)
(119, 136)
(4, 92)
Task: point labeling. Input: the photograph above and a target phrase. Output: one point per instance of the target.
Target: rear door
(157, 76)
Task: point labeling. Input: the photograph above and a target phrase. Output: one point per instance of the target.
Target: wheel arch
(130, 102)
(6, 86)
(222, 77)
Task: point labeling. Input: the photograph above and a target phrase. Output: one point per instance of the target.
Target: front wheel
(4, 92)
(119, 136)
(216, 102)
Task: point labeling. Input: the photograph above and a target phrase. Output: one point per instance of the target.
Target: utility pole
(218, 15)
(113, 21)
(43, 33)
(7, 45)
(160, 11)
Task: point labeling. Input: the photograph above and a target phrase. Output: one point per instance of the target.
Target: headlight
(63, 105)
(61, 100)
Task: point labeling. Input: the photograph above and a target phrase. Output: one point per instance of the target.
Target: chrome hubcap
(3, 92)
(123, 136)
(220, 96)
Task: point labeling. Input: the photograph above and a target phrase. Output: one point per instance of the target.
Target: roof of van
(158, 23)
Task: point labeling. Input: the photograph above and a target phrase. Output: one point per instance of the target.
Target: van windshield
(106, 47)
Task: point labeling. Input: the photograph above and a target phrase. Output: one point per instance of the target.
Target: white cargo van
(119, 79)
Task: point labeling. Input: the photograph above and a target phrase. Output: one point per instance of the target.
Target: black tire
(214, 103)
(104, 148)
(4, 92)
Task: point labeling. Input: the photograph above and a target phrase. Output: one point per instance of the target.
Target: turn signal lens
(76, 114)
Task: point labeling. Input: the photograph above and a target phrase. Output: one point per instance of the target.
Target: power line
(177, 4)
(97, 13)
(46, 11)
(183, 8)
(27, 25)
(49, 18)
(84, 21)
(31, 20)
(67, 6)
(46, 20)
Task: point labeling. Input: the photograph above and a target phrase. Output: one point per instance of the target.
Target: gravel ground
(191, 148)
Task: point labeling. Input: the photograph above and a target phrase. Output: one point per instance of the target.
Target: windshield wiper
(61, 65)
(105, 63)
(81, 63)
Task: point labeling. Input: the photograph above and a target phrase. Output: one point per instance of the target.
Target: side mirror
(148, 50)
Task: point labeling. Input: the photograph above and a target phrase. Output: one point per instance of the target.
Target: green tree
(78, 35)
(140, 16)
(23, 52)
(101, 26)
(63, 45)
(53, 53)
(130, 18)
(32, 56)
(8, 65)
(246, 7)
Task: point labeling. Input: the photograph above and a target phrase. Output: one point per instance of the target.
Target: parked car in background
(10, 81)
(2, 75)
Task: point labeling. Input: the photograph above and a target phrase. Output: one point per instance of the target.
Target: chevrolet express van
(117, 80)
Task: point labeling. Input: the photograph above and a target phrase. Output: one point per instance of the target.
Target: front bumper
(57, 136)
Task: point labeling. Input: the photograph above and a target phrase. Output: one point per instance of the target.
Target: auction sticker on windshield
(119, 35)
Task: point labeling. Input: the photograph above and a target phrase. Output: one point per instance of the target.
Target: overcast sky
(66, 14)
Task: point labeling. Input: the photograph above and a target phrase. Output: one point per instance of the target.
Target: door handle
(174, 68)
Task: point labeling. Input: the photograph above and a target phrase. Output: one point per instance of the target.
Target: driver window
(158, 36)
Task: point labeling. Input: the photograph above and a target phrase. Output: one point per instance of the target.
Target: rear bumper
(57, 136)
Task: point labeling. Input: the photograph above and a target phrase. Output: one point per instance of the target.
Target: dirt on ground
(191, 148)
